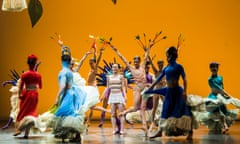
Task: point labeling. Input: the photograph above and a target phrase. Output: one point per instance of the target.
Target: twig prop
(150, 42)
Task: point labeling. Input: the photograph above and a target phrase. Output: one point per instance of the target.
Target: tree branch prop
(150, 42)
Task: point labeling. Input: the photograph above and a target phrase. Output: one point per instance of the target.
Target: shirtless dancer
(92, 89)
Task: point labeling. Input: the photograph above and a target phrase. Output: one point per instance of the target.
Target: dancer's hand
(184, 95)
(60, 41)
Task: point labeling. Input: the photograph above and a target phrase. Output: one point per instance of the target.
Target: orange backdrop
(210, 29)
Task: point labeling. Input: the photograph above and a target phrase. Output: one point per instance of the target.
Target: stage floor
(133, 135)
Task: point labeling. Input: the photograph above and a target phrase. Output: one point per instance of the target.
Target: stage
(96, 135)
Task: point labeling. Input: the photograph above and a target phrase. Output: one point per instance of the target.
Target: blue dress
(217, 111)
(68, 118)
(176, 117)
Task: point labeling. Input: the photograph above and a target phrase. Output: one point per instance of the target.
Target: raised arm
(155, 70)
(146, 55)
(99, 58)
(76, 69)
(120, 56)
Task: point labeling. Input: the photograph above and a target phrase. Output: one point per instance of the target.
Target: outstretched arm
(11, 82)
(159, 78)
(120, 56)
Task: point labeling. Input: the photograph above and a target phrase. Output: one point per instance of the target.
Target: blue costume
(216, 82)
(176, 115)
(218, 111)
(68, 119)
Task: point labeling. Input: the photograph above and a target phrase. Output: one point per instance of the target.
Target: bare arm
(120, 56)
(185, 87)
(98, 59)
(123, 86)
(155, 70)
(81, 61)
(146, 55)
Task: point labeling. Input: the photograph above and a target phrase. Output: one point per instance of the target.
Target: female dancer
(31, 81)
(219, 117)
(14, 99)
(138, 73)
(176, 117)
(67, 122)
(117, 97)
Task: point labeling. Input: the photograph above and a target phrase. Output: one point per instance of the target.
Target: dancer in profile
(31, 81)
(176, 118)
(68, 122)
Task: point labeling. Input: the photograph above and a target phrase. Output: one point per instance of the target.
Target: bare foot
(156, 134)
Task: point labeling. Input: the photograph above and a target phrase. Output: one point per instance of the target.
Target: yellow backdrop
(210, 29)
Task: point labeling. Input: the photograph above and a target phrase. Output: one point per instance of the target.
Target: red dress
(30, 82)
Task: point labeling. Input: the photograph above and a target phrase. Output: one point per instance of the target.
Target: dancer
(117, 97)
(67, 122)
(157, 98)
(14, 99)
(78, 81)
(138, 73)
(176, 117)
(219, 118)
(104, 100)
(102, 81)
(92, 90)
(31, 81)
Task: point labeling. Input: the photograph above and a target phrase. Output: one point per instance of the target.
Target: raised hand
(60, 41)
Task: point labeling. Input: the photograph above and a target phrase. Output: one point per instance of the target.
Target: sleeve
(62, 80)
(182, 72)
(213, 84)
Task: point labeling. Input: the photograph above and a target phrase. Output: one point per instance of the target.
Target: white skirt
(92, 97)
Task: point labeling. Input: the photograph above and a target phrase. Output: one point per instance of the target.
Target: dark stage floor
(134, 135)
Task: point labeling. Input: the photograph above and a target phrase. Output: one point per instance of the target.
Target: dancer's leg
(121, 124)
(105, 104)
(143, 115)
(113, 117)
(155, 105)
(137, 102)
(10, 121)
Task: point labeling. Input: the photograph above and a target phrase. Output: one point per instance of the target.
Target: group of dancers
(158, 99)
